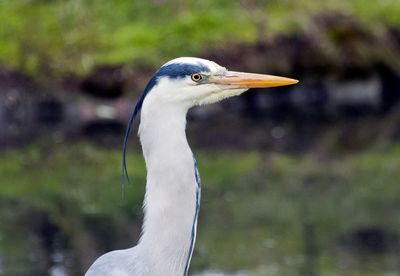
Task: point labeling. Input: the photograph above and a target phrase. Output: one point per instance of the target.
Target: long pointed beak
(249, 80)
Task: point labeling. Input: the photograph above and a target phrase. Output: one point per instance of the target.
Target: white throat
(172, 192)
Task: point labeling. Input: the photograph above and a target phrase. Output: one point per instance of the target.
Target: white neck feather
(171, 190)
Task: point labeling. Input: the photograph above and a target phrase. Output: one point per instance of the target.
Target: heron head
(186, 82)
(189, 81)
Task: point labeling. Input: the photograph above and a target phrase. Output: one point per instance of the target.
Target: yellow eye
(196, 77)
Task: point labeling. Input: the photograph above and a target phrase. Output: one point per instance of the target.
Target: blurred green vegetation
(264, 203)
(258, 208)
(42, 36)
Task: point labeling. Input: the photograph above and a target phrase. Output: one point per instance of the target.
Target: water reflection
(277, 215)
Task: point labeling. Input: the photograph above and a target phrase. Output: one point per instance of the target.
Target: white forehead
(214, 67)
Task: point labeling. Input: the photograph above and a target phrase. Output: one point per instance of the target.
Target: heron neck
(172, 193)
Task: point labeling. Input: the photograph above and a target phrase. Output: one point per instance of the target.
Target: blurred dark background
(299, 180)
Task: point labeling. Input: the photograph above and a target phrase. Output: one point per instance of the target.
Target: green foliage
(73, 35)
(254, 208)
(36, 174)
(262, 223)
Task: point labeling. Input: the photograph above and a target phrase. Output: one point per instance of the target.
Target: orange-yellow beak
(249, 80)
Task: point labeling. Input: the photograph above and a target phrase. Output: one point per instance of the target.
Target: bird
(172, 198)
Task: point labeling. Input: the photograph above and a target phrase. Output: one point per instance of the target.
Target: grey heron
(172, 198)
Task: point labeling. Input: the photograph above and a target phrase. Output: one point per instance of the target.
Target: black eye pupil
(196, 77)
